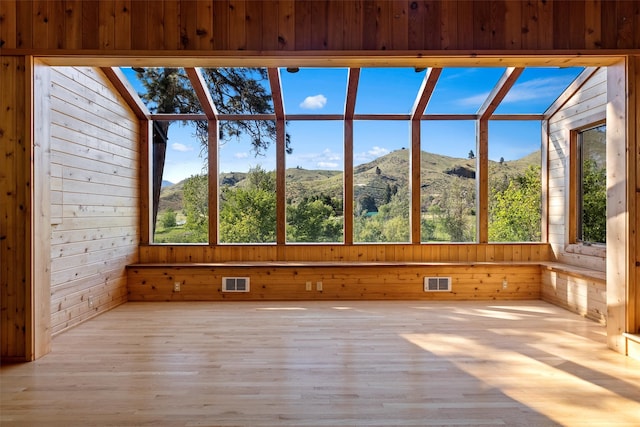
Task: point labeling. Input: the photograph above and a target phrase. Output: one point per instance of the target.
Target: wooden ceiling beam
(200, 88)
(499, 91)
(426, 90)
(128, 93)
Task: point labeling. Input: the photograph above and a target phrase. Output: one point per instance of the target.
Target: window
(592, 183)
(314, 182)
(287, 141)
(381, 182)
(182, 209)
(515, 189)
(247, 196)
(448, 181)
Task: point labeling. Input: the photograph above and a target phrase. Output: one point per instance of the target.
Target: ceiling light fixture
(419, 69)
(138, 69)
(293, 69)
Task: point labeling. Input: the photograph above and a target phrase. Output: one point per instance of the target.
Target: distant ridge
(389, 170)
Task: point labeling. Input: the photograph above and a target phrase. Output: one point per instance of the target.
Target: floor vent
(235, 284)
(437, 284)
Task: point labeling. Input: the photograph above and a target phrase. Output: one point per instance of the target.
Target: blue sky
(319, 145)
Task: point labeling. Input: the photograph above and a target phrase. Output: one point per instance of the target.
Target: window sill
(596, 250)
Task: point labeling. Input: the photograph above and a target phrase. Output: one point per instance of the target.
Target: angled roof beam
(498, 93)
(131, 97)
(276, 92)
(200, 88)
(352, 91)
(426, 90)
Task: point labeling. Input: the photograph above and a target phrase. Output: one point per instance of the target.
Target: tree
(472, 155)
(233, 91)
(515, 212)
(169, 219)
(389, 224)
(594, 202)
(248, 215)
(366, 203)
(501, 160)
(196, 207)
(456, 209)
(313, 221)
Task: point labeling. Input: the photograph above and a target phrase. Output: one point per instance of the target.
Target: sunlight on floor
(550, 394)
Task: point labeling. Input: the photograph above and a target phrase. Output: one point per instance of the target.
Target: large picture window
(372, 155)
(592, 182)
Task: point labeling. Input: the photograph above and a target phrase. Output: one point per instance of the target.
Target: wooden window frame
(575, 245)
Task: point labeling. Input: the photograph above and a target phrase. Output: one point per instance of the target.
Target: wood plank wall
(349, 253)
(586, 108)
(312, 25)
(136, 28)
(94, 194)
(15, 247)
(359, 281)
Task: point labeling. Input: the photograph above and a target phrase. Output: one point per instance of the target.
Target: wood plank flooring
(514, 363)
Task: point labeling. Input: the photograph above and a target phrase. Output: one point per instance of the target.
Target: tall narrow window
(182, 193)
(247, 192)
(515, 190)
(314, 182)
(592, 196)
(381, 182)
(448, 181)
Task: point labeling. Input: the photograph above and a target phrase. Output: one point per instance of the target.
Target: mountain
(166, 183)
(373, 178)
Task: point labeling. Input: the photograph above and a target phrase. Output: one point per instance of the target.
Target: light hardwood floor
(522, 363)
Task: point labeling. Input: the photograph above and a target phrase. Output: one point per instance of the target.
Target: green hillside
(373, 178)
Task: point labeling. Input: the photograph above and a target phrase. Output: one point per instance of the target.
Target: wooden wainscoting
(333, 281)
(438, 252)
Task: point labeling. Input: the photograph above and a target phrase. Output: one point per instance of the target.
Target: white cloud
(535, 89)
(327, 159)
(378, 151)
(241, 155)
(367, 156)
(315, 102)
(474, 100)
(526, 91)
(328, 165)
(181, 147)
(329, 155)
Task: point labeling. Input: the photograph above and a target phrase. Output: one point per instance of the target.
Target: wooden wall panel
(370, 282)
(168, 22)
(9, 20)
(620, 190)
(587, 107)
(94, 145)
(508, 252)
(15, 262)
(584, 296)
(314, 25)
(91, 22)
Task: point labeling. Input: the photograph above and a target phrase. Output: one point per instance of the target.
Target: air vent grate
(235, 284)
(437, 284)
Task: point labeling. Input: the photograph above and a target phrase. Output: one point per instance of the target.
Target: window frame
(482, 118)
(576, 245)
